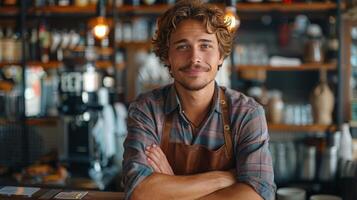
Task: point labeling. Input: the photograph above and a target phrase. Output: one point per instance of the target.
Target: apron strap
(226, 127)
(166, 133)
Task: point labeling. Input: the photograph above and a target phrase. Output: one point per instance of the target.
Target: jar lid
(314, 30)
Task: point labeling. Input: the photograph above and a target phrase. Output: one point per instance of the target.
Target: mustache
(195, 67)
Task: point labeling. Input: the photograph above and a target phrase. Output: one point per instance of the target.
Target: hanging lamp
(231, 16)
(100, 25)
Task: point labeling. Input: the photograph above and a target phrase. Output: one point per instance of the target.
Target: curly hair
(211, 16)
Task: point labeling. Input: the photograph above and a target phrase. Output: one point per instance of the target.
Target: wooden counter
(50, 193)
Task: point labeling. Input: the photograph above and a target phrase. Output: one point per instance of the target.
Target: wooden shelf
(44, 65)
(9, 11)
(159, 9)
(144, 9)
(46, 121)
(63, 10)
(300, 128)
(135, 45)
(303, 67)
(56, 64)
(282, 7)
(6, 86)
(243, 7)
(4, 64)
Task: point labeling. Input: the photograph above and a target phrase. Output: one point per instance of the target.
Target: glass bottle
(332, 41)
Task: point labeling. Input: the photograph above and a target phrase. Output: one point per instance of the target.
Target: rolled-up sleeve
(140, 134)
(253, 159)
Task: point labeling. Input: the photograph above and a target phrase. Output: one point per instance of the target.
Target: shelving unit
(47, 121)
(312, 128)
(303, 67)
(160, 8)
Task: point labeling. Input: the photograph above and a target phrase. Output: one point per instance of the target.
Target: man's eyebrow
(180, 41)
(205, 40)
(200, 40)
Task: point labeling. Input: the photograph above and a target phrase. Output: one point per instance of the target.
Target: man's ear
(166, 63)
(220, 62)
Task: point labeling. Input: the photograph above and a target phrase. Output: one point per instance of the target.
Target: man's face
(193, 55)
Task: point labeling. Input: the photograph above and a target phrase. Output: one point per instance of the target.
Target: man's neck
(196, 104)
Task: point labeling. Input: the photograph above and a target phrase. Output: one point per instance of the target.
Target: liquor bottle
(34, 48)
(332, 41)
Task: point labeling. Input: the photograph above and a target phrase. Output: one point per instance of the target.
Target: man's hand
(158, 160)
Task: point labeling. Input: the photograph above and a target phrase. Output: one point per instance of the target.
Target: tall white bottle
(345, 152)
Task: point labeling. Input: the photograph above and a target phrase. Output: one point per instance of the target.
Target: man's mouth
(194, 69)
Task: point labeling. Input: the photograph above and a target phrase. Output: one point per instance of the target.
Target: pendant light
(231, 16)
(100, 25)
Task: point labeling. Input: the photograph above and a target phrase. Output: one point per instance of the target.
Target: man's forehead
(191, 29)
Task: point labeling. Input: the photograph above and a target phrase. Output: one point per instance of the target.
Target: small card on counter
(21, 191)
(71, 195)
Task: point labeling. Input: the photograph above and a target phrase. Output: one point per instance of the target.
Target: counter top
(51, 193)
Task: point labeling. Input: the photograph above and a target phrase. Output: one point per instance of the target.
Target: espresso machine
(80, 111)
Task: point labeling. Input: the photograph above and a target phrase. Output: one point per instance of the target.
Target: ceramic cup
(324, 197)
(288, 193)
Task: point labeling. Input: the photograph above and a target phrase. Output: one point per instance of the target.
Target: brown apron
(191, 159)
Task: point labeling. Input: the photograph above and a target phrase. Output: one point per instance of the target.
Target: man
(193, 139)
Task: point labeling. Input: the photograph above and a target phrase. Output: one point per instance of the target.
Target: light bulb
(232, 18)
(101, 31)
(100, 27)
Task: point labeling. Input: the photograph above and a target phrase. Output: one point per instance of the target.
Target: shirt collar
(172, 101)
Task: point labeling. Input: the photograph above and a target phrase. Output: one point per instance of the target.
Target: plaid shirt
(248, 125)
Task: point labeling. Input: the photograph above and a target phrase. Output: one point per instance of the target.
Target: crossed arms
(163, 184)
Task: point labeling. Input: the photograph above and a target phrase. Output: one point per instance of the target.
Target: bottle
(8, 46)
(322, 101)
(275, 107)
(34, 45)
(332, 41)
(345, 152)
(44, 40)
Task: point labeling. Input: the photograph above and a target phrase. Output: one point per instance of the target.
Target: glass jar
(313, 51)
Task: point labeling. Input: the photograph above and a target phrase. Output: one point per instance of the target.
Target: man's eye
(182, 47)
(206, 46)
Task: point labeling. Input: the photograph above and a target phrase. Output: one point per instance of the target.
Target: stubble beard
(188, 85)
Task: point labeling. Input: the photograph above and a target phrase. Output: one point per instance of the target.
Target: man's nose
(196, 56)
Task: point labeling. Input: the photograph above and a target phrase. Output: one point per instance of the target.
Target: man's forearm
(237, 191)
(161, 186)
